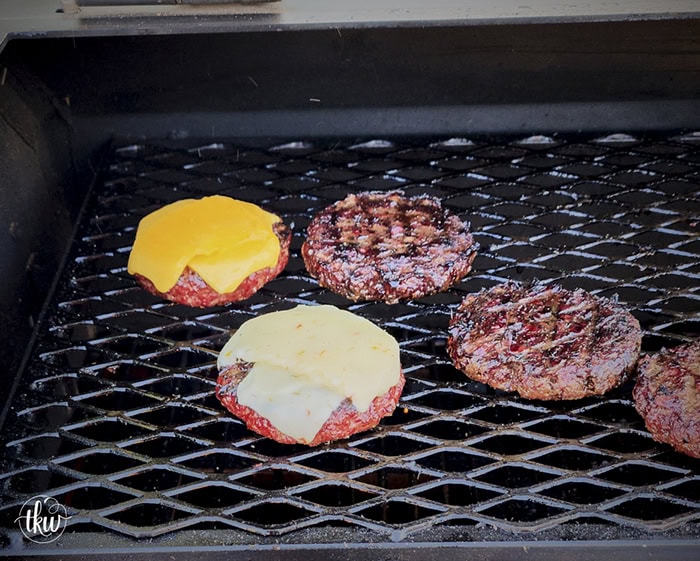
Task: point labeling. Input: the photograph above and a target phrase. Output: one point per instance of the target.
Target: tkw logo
(42, 519)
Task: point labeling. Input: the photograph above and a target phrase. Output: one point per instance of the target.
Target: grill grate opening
(510, 444)
(109, 431)
(449, 429)
(213, 496)
(575, 459)
(148, 514)
(275, 478)
(448, 400)
(156, 479)
(522, 511)
(456, 461)
(678, 460)
(119, 399)
(100, 462)
(92, 497)
(172, 415)
(337, 495)
(458, 494)
(505, 414)
(164, 446)
(116, 415)
(36, 480)
(274, 513)
(625, 442)
(515, 477)
(564, 428)
(396, 512)
(638, 475)
(336, 462)
(645, 508)
(220, 430)
(45, 447)
(217, 462)
(582, 492)
(393, 445)
(395, 478)
(687, 490)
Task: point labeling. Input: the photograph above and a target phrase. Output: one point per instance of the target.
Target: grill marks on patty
(387, 247)
(544, 342)
(375, 225)
(667, 396)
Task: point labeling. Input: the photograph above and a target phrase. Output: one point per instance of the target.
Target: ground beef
(387, 247)
(667, 396)
(346, 420)
(192, 290)
(543, 341)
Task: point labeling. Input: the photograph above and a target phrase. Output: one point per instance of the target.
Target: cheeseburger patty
(345, 421)
(387, 247)
(543, 341)
(667, 396)
(192, 290)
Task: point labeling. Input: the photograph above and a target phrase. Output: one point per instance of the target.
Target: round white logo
(42, 519)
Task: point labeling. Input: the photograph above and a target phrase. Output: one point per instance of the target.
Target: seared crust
(388, 247)
(543, 341)
(192, 290)
(346, 420)
(667, 396)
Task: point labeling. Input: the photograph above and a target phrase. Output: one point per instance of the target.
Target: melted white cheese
(306, 361)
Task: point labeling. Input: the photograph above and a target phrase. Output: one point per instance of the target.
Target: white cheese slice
(306, 361)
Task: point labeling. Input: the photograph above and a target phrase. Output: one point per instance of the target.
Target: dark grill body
(113, 411)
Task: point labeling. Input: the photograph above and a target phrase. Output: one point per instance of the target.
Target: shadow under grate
(116, 415)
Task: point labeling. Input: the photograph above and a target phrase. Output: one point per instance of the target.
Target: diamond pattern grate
(116, 415)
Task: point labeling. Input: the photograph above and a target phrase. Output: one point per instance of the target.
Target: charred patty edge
(345, 421)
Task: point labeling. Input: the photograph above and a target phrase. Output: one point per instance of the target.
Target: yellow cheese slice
(224, 240)
(306, 361)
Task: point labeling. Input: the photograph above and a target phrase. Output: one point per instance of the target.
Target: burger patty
(192, 290)
(543, 341)
(345, 421)
(387, 247)
(667, 396)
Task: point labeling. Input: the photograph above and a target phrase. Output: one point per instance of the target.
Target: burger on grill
(209, 251)
(309, 375)
(667, 396)
(387, 247)
(543, 341)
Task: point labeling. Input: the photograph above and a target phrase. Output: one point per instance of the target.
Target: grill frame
(294, 157)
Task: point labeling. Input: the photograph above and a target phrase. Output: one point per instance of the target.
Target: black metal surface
(115, 415)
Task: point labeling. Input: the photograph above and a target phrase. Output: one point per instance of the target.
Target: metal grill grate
(116, 415)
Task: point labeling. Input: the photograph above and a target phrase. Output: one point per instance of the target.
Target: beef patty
(387, 247)
(192, 290)
(345, 421)
(543, 341)
(667, 396)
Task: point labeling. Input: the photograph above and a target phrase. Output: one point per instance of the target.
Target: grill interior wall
(115, 414)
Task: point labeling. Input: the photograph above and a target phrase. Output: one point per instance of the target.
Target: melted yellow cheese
(224, 240)
(306, 361)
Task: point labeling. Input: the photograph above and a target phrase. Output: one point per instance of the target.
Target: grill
(115, 415)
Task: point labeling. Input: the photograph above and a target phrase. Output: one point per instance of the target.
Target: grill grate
(116, 415)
